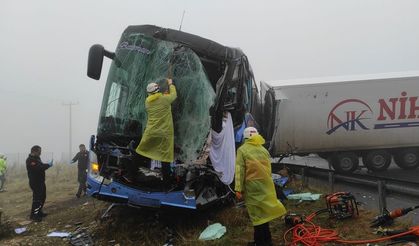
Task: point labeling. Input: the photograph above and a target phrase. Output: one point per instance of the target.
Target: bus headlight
(94, 165)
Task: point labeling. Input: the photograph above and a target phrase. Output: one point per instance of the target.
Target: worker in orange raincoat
(253, 182)
(157, 142)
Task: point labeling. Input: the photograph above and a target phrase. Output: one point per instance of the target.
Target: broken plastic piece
(279, 180)
(58, 234)
(20, 230)
(304, 196)
(212, 232)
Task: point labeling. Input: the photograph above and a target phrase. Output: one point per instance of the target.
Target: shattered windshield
(140, 60)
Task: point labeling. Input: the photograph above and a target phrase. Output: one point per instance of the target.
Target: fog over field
(44, 46)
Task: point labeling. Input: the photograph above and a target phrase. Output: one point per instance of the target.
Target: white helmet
(153, 87)
(250, 132)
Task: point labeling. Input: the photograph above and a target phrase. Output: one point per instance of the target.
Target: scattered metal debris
(170, 240)
(80, 237)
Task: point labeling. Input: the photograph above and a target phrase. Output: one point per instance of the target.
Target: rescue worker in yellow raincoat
(157, 142)
(253, 182)
(3, 167)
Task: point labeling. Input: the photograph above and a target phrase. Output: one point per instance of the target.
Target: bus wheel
(407, 158)
(377, 160)
(345, 162)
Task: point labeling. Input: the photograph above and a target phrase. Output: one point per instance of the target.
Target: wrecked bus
(210, 79)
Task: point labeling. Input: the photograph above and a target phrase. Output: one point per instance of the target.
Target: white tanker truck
(375, 117)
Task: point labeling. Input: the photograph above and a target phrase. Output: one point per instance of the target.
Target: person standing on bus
(157, 142)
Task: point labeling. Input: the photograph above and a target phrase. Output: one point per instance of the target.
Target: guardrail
(383, 184)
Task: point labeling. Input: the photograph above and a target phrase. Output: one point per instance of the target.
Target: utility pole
(70, 144)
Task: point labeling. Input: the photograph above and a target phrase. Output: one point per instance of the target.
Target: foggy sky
(44, 46)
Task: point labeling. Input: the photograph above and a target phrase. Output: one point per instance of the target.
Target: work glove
(51, 163)
(169, 81)
(239, 195)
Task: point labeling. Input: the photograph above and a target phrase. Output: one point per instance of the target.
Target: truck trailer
(343, 119)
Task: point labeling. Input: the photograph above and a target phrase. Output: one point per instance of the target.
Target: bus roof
(202, 46)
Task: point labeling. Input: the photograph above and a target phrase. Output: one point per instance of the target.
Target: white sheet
(223, 151)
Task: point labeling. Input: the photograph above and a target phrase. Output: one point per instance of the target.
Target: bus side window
(233, 89)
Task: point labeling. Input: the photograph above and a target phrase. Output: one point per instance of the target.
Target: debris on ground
(212, 232)
(129, 226)
(81, 237)
(279, 180)
(20, 230)
(58, 234)
(170, 238)
(304, 196)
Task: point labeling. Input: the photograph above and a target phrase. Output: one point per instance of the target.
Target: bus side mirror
(94, 64)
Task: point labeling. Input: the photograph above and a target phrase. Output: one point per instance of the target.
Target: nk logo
(349, 115)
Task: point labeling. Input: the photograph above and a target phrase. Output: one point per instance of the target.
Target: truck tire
(345, 162)
(407, 158)
(377, 160)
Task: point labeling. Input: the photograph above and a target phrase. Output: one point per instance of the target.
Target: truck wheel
(345, 162)
(377, 160)
(407, 158)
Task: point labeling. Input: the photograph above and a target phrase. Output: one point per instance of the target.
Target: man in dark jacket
(36, 174)
(83, 160)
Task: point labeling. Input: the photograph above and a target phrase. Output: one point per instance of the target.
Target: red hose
(309, 234)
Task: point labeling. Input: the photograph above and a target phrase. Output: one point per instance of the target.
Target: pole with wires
(70, 144)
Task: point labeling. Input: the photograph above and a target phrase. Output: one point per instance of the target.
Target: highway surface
(393, 172)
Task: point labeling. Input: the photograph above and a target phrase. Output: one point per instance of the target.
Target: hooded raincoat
(254, 180)
(3, 166)
(157, 142)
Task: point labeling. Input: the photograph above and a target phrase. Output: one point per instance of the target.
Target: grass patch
(128, 226)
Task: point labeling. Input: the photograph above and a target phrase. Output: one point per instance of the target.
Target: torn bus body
(210, 79)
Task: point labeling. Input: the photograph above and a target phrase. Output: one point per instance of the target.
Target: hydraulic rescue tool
(387, 217)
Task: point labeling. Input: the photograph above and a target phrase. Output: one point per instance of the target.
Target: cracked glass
(140, 60)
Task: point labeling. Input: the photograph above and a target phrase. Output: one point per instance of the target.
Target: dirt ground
(128, 226)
